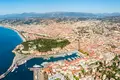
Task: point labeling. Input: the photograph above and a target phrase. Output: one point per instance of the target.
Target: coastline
(14, 59)
(19, 60)
(18, 33)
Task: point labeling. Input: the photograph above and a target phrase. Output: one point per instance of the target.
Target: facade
(39, 74)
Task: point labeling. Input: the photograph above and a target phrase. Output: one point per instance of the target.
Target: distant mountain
(59, 15)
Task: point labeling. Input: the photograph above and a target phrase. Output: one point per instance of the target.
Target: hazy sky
(41, 6)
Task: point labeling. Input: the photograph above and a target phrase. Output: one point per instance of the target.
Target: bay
(9, 39)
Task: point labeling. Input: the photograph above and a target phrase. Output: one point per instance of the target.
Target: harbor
(52, 58)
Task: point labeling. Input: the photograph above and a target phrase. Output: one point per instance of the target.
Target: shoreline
(13, 61)
(18, 33)
(19, 61)
(23, 60)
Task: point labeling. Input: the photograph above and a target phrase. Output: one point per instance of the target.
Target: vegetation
(84, 52)
(66, 77)
(58, 79)
(75, 77)
(44, 45)
(108, 71)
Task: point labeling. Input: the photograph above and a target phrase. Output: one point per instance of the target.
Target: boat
(36, 66)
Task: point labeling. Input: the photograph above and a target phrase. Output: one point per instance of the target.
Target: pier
(13, 66)
(36, 70)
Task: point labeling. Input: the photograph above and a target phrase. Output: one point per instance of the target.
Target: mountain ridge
(60, 15)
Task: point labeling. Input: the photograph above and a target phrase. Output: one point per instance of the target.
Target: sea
(9, 39)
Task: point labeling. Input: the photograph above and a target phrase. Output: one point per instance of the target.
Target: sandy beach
(20, 34)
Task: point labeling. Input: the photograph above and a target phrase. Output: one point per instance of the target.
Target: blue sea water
(23, 73)
(9, 39)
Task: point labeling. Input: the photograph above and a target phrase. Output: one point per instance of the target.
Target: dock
(17, 62)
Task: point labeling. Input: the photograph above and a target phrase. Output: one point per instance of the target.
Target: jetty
(17, 62)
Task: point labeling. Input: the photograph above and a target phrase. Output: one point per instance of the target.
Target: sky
(43, 6)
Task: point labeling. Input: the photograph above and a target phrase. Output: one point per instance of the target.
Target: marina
(38, 61)
(22, 65)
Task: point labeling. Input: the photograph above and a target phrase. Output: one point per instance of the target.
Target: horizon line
(60, 12)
